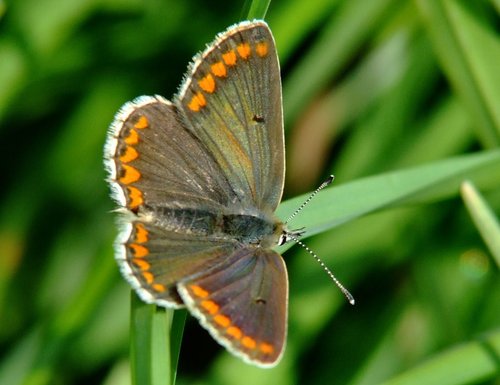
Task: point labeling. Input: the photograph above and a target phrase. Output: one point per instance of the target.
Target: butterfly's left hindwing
(155, 259)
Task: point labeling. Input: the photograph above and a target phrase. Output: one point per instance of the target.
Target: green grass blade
(484, 218)
(290, 35)
(141, 320)
(472, 67)
(176, 332)
(348, 29)
(156, 335)
(471, 363)
(428, 183)
(255, 9)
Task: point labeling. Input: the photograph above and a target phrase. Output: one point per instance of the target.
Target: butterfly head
(290, 235)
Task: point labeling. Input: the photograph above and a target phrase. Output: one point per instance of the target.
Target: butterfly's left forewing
(154, 161)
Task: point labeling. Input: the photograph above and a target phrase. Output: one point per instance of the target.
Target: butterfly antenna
(348, 295)
(321, 187)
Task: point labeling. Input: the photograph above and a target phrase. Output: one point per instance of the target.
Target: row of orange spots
(229, 58)
(131, 174)
(139, 251)
(225, 322)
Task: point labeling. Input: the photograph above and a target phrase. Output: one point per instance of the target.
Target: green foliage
(398, 99)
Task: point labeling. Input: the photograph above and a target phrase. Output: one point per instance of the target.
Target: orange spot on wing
(141, 263)
(248, 342)
(141, 234)
(261, 49)
(234, 331)
(244, 50)
(135, 196)
(229, 58)
(139, 251)
(201, 99)
(210, 306)
(130, 174)
(222, 320)
(159, 287)
(207, 84)
(148, 277)
(197, 102)
(129, 155)
(193, 105)
(266, 348)
(199, 291)
(141, 123)
(219, 69)
(132, 138)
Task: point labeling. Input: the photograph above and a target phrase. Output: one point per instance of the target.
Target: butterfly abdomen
(242, 228)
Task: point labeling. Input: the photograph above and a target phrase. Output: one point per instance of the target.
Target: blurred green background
(371, 88)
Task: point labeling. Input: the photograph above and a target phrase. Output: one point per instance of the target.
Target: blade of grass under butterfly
(141, 316)
(156, 335)
(176, 332)
(484, 218)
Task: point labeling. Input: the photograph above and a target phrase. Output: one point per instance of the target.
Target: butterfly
(197, 181)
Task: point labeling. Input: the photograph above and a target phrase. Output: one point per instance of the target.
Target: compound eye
(283, 239)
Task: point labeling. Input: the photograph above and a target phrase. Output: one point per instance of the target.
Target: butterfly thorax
(251, 228)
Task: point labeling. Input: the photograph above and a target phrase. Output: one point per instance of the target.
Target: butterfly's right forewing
(231, 100)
